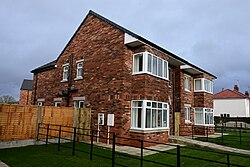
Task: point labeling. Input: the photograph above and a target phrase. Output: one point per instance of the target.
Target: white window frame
(187, 86)
(56, 104)
(160, 64)
(40, 103)
(77, 103)
(79, 68)
(65, 72)
(187, 113)
(203, 88)
(204, 111)
(165, 107)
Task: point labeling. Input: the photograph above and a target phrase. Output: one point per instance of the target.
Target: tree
(7, 99)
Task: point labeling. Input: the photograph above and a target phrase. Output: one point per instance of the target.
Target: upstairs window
(187, 83)
(79, 70)
(148, 63)
(138, 62)
(203, 85)
(65, 72)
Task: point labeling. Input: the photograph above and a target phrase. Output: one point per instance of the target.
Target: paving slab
(188, 140)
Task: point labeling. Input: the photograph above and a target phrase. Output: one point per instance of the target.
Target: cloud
(211, 34)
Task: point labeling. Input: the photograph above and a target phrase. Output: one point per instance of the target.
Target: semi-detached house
(151, 91)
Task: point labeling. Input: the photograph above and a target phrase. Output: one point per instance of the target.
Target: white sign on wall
(110, 120)
(100, 119)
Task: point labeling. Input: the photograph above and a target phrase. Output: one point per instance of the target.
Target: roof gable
(27, 84)
(130, 33)
(230, 94)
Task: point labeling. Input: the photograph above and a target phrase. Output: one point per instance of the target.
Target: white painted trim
(41, 100)
(58, 99)
(79, 98)
(67, 64)
(81, 60)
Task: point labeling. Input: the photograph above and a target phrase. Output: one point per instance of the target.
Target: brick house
(26, 92)
(151, 91)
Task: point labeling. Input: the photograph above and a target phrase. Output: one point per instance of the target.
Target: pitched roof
(230, 94)
(27, 84)
(45, 67)
(135, 36)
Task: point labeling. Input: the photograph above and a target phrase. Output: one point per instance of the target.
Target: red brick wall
(108, 84)
(25, 97)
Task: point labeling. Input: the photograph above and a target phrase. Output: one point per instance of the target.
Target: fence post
(38, 129)
(59, 138)
(47, 134)
(38, 121)
(113, 151)
(240, 132)
(207, 133)
(91, 145)
(74, 141)
(141, 153)
(178, 156)
(228, 160)
(192, 131)
(222, 134)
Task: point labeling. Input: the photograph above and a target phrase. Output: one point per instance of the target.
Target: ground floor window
(187, 114)
(204, 116)
(57, 104)
(148, 115)
(79, 104)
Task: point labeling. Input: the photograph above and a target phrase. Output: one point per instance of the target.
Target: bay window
(148, 63)
(149, 115)
(203, 116)
(203, 85)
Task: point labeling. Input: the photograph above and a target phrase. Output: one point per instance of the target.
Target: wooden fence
(19, 122)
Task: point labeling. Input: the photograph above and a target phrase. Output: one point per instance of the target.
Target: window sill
(188, 122)
(143, 72)
(148, 131)
(212, 125)
(188, 91)
(64, 80)
(202, 91)
(78, 78)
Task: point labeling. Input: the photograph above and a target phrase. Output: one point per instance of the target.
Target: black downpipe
(69, 80)
(173, 106)
(34, 100)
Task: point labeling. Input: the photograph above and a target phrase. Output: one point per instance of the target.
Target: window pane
(139, 117)
(159, 118)
(187, 113)
(138, 62)
(154, 104)
(149, 104)
(148, 118)
(165, 118)
(137, 104)
(165, 69)
(159, 67)
(197, 84)
(154, 65)
(149, 63)
(199, 119)
(154, 118)
(187, 83)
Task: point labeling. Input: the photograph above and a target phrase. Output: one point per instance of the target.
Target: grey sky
(212, 34)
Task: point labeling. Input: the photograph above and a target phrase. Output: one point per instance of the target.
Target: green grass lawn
(39, 155)
(231, 139)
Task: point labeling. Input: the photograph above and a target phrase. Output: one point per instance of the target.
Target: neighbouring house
(231, 103)
(151, 91)
(26, 92)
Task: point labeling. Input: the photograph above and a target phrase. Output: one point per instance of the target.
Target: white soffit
(190, 69)
(132, 41)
